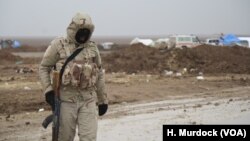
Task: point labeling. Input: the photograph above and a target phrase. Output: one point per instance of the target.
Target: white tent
(107, 45)
(146, 42)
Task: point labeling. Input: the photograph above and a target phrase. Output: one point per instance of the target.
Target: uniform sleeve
(101, 92)
(50, 58)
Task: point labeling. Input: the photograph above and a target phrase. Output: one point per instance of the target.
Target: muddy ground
(142, 97)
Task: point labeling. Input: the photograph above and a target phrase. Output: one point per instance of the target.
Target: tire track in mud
(197, 100)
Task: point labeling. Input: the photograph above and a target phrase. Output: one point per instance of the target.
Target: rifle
(55, 116)
(57, 77)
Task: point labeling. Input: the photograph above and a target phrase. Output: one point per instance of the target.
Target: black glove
(102, 109)
(50, 99)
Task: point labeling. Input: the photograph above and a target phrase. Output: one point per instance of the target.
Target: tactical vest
(82, 71)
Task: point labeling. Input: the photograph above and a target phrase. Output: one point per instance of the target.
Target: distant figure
(221, 40)
(1, 44)
(221, 36)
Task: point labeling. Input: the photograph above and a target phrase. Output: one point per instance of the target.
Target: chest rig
(82, 71)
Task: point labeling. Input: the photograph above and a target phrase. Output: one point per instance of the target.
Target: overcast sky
(126, 17)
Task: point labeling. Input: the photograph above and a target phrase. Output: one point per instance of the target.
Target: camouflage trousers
(81, 114)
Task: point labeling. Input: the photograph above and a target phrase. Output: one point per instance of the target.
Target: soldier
(82, 85)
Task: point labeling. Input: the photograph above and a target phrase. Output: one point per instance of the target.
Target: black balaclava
(82, 35)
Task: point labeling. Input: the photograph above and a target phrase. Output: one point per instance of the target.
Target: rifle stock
(55, 116)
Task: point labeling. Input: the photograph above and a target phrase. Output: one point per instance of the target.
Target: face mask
(82, 35)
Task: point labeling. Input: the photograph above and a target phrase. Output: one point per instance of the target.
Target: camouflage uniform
(82, 81)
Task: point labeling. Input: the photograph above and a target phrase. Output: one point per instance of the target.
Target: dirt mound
(134, 59)
(215, 59)
(205, 58)
(7, 57)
